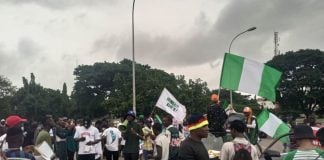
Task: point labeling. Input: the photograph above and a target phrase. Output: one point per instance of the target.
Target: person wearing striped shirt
(306, 150)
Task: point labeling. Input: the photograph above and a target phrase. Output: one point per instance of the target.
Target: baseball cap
(14, 120)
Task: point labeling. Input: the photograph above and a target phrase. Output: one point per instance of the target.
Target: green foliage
(34, 101)
(106, 89)
(6, 93)
(302, 85)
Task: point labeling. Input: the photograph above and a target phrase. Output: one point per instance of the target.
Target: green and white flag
(241, 74)
(272, 125)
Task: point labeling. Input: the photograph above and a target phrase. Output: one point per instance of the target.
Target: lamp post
(229, 51)
(133, 65)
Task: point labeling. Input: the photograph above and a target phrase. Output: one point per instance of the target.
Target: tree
(6, 93)
(301, 89)
(106, 88)
(34, 101)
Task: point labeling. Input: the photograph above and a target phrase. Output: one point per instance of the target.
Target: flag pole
(153, 110)
(229, 51)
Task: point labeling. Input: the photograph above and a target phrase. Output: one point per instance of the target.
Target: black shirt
(216, 118)
(193, 150)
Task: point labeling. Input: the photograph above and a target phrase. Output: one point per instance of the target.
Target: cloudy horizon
(184, 37)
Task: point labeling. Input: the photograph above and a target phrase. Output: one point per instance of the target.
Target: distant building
(266, 104)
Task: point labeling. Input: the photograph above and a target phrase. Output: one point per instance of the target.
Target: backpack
(242, 151)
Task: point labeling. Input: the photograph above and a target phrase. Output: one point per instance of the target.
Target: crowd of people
(136, 138)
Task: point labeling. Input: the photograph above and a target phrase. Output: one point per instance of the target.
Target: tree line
(105, 89)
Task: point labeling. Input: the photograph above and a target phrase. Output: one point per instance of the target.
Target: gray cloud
(61, 4)
(19, 62)
(105, 44)
(206, 42)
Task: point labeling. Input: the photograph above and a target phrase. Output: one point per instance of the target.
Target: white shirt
(3, 140)
(163, 141)
(112, 135)
(90, 134)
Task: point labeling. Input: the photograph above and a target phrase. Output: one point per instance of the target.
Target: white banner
(168, 103)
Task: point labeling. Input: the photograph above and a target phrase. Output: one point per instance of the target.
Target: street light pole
(133, 67)
(229, 51)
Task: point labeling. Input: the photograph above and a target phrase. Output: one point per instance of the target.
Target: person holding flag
(217, 117)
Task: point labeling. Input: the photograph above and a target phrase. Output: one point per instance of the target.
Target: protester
(113, 139)
(320, 137)
(87, 136)
(306, 150)
(148, 142)
(98, 146)
(29, 130)
(252, 125)
(13, 121)
(315, 127)
(61, 133)
(70, 141)
(192, 147)
(44, 134)
(161, 147)
(15, 140)
(230, 150)
(174, 135)
(216, 117)
(132, 136)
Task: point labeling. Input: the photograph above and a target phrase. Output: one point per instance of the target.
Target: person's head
(167, 120)
(47, 123)
(130, 116)
(15, 137)
(87, 122)
(312, 120)
(320, 136)
(61, 122)
(98, 124)
(148, 122)
(14, 121)
(198, 126)
(247, 111)
(237, 128)
(157, 128)
(303, 133)
(111, 123)
(214, 98)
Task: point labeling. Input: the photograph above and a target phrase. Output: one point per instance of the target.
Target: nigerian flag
(241, 74)
(272, 125)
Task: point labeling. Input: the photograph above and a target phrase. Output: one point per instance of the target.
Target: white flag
(168, 103)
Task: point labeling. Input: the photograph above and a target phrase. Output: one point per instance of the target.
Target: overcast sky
(188, 37)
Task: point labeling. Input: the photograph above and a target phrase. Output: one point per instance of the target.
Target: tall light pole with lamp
(229, 51)
(133, 65)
